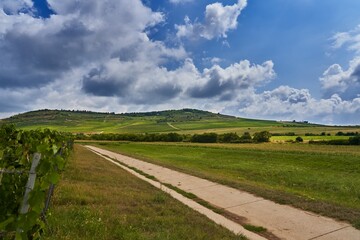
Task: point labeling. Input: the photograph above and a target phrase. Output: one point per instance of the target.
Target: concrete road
(284, 221)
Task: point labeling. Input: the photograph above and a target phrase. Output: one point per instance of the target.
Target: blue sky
(274, 59)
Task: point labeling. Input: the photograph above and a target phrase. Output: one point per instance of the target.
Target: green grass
(321, 179)
(256, 229)
(96, 200)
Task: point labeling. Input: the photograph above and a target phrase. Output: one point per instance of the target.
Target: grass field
(96, 200)
(323, 179)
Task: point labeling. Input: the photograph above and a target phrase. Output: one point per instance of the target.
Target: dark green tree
(263, 136)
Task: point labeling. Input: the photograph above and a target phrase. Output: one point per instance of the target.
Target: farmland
(323, 179)
(320, 178)
(185, 121)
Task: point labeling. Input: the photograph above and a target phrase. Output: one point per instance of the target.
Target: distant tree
(299, 139)
(228, 138)
(354, 140)
(173, 137)
(205, 138)
(246, 136)
(263, 136)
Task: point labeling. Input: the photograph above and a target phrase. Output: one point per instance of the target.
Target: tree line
(257, 137)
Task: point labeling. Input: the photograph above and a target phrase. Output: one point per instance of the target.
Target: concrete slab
(344, 233)
(284, 221)
(223, 196)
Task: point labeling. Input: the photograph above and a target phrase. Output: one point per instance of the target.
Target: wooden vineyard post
(30, 183)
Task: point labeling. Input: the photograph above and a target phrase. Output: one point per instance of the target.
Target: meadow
(322, 179)
(96, 200)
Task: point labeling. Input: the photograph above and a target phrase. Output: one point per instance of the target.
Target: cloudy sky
(273, 59)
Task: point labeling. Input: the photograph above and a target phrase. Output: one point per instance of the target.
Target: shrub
(354, 140)
(228, 138)
(299, 139)
(205, 138)
(263, 136)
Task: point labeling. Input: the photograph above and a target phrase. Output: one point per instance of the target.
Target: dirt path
(283, 221)
(172, 126)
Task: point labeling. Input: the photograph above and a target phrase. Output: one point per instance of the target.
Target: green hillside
(185, 120)
(182, 121)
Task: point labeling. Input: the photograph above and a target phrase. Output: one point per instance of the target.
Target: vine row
(17, 149)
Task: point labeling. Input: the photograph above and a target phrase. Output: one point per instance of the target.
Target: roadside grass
(97, 200)
(256, 229)
(322, 179)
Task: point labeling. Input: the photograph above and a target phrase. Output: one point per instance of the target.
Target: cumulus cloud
(131, 82)
(336, 80)
(345, 83)
(219, 19)
(221, 82)
(36, 51)
(286, 103)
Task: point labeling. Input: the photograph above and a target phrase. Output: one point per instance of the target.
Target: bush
(205, 138)
(354, 140)
(246, 136)
(299, 139)
(228, 138)
(263, 136)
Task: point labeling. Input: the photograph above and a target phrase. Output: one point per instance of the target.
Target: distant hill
(184, 120)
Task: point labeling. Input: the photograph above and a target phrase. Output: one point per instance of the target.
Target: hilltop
(185, 120)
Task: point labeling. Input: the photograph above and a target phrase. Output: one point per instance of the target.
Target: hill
(184, 120)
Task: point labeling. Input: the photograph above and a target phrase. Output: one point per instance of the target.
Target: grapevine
(17, 148)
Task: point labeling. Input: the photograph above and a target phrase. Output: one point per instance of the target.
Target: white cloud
(350, 39)
(224, 83)
(218, 21)
(286, 103)
(180, 1)
(345, 83)
(13, 6)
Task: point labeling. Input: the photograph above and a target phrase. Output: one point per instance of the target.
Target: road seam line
(328, 233)
(245, 203)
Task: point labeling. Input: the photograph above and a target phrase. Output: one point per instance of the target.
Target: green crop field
(323, 179)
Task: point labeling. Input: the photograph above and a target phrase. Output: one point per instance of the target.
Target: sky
(275, 59)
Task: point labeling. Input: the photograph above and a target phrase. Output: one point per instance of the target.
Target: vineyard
(30, 166)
